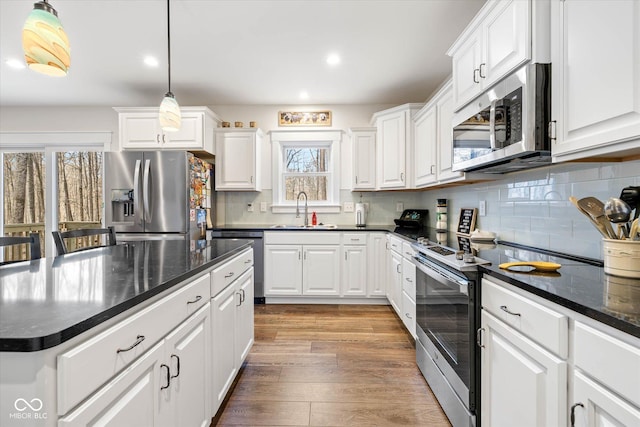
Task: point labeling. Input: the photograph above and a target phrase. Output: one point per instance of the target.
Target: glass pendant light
(170, 117)
(44, 42)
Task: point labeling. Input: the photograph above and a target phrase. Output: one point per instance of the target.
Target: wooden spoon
(538, 265)
(598, 225)
(595, 208)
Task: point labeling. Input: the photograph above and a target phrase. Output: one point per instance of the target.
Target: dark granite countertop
(270, 227)
(46, 302)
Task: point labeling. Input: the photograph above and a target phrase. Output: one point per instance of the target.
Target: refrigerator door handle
(136, 188)
(145, 190)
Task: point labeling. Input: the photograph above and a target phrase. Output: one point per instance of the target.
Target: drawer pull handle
(248, 261)
(355, 240)
(244, 295)
(168, 376)
(408, 280)
(407, 314)
(239, 299)
(506, 310)
(229, 275)
(198, 298)
(573, 413)
(177, 366)
(479, 337)
(139, 339)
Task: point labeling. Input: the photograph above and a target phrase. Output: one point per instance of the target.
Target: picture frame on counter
(467, 221)
(304, 118)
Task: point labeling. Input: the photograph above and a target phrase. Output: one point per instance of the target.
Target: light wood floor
(330, 365)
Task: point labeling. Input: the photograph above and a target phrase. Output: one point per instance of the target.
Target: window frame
(280, 141)
(50, 143)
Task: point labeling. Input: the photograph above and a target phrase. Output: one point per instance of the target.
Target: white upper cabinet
(363, 150)
(425, 145)
(497, 41)
(238, 159)
(395, 146)
(595, 49)
(140, 130)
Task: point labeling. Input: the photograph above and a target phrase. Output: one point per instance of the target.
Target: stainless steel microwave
(505, 128)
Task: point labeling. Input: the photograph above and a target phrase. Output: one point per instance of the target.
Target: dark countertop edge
(262, 227)
(25, 345)
(600, 316)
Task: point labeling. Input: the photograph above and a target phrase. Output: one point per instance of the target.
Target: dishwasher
(258, 256)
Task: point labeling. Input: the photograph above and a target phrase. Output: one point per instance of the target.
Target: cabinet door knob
(402, 176)
(168, 376)
(506, 310)
(482, 75)
(573, 412)
(195, 300)
(475, 73)
(177, 366)
(139, 339)
(479, 337)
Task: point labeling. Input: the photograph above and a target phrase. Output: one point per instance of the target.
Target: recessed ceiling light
(304, 95)
(333, 59)
(150, 61)
(15, 63)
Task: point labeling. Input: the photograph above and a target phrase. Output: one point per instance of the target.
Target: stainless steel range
(447, 291)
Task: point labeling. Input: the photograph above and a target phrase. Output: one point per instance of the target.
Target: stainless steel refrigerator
(158, 194)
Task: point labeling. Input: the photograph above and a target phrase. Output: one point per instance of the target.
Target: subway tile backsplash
(529, 207)
(533, 208)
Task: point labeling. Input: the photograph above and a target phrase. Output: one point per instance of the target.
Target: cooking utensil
(618, 212)
(537, 265)
(631, 195)
(635, 228)
(599, 226)
(595, 208)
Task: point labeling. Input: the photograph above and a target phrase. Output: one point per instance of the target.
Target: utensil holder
(621, 257)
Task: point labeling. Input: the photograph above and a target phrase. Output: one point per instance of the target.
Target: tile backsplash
(529, 207)
(533, 208)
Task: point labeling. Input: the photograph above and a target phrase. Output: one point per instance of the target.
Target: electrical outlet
(250, 207)
(348, 207)
(482, 208)
(263, 206)
(399, 207)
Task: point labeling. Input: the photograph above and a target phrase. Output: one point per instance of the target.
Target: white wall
(59, 119)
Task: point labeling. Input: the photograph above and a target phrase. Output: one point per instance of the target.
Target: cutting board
(537, 265)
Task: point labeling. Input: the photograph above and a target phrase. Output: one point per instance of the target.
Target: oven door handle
(457, 285)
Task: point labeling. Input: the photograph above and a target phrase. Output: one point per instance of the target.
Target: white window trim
(50, 143)
(281, 139)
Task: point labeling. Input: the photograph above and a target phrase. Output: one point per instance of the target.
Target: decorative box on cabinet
(363, 151)
(238, 159)
(503, 35)
(596, 79)
(394, 146)
(140, 130)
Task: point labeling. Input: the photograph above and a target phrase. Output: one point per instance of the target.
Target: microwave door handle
(145, 190)
(492, 126)
(136, 190)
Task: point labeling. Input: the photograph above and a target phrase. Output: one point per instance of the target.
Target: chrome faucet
(306, 208)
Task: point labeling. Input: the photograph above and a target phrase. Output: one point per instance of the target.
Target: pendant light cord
(169, 43)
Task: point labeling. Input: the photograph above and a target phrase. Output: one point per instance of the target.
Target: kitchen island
(93, 334)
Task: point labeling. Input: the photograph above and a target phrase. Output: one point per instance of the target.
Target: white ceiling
(240, 52)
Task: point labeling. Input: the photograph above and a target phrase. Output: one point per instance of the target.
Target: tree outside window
(306, 169)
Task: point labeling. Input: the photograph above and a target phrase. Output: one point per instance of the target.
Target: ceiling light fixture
(169, 115)
(44, 42)
(151, 61)
(333, 59)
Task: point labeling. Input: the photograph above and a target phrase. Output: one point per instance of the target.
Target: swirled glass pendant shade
(170, 117)
(44, 42)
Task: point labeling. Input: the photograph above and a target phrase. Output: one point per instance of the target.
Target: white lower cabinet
(232, 328)
(529, 376)
(394, 282)
(302, 264)
(409, 296)
(166, 386)
(377, 267)
(354, 271)
(522, 383)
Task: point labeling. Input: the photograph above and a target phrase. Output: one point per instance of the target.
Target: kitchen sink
(306, 227)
